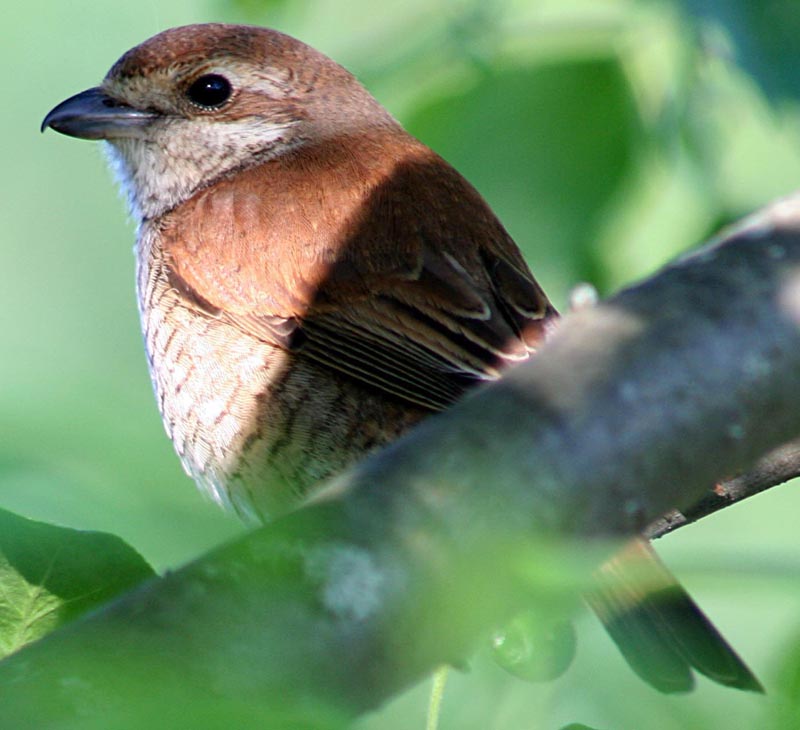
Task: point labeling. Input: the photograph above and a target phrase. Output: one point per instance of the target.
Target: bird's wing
(418, 291)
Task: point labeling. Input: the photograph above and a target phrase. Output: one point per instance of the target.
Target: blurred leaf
(255, 9)
(787, 708)
(766, 36)
(534, 648)
(49, 575)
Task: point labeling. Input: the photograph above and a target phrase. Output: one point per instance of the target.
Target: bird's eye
(210, 91)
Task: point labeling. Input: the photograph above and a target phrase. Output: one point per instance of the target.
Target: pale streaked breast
(255, 426)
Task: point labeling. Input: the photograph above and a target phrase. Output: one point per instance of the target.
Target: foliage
(50, 575)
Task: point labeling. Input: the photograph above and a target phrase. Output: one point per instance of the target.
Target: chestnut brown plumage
(312, 280)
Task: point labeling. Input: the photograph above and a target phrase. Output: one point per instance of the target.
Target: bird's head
(197, 103)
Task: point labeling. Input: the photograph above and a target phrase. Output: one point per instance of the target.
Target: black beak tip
(49, 118)
(93, 114)
(69, 113)
(45, 123)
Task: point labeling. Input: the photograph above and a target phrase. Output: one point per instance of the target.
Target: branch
(777, 467)
(632, 409)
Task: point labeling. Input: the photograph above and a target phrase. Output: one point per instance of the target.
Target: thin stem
(437, 693)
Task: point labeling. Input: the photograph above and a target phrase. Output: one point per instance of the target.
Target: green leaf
(766, 37)
(49, 575)
(535, 648)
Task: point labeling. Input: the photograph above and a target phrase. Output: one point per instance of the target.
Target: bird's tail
(659, 629)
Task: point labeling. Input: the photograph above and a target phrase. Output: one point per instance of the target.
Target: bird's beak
(93, 114)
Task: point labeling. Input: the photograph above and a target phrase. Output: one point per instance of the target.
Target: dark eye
(210, 91)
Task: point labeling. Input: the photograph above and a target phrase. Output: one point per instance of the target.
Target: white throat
(159, 172)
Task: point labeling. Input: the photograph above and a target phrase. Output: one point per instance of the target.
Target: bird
(313, 281)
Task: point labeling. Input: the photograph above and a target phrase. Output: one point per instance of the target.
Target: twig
(778, 467)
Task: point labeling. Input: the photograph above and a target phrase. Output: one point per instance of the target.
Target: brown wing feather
(390, 268)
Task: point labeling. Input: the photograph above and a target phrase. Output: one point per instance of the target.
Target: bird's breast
(208, 377)
(254, 425)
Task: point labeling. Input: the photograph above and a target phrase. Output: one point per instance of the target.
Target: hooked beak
(93, 114)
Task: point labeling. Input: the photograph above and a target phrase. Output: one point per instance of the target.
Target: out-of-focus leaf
(533, 648)
(787, 707)
(766, 36)
(49, 575)
(255, 9)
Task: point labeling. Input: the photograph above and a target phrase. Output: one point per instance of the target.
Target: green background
(608, 135)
